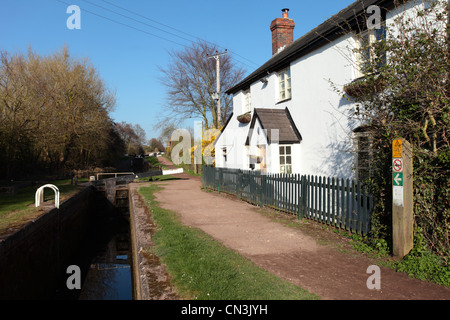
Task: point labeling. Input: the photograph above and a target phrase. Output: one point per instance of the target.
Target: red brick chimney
(282, 32)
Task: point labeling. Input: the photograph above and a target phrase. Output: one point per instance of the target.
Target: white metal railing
(172, 171)
(115, 173)
(39, 196)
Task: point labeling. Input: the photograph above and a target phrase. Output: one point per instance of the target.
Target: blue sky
(128, 53)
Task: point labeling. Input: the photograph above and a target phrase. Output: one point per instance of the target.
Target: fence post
(358, 207)
(203, 181)
(305, 195)
(333, 202)
(314, 204)
(320, 209)
(341, 203)
(261, 191)
(352, 204)
(292, 193)
(238, 182)
(300, 197)
(220, 181)
(328, 201)
(347, 204)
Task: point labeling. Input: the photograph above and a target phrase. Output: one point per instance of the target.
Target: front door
(263, 160)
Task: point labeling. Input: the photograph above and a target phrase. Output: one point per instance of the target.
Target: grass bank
(155, 163)
(201, 268)
(18, 209)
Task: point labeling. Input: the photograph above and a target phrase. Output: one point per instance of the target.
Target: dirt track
(296, 254)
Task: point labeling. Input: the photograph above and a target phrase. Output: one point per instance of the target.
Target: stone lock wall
(33, 261)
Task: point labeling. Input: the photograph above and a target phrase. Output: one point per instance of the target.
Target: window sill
(284, 100)
(364, 86)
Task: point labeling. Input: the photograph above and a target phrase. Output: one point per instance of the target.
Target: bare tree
(155, 144)
(190, 79)
(133, 137)
(50, 108)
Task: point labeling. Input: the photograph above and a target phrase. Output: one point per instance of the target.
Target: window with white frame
(284, 78)
(286, 159)
(367, 55)
(247, 101)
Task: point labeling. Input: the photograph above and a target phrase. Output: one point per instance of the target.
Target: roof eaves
(325, 32)
(222, 130)
(294, 127)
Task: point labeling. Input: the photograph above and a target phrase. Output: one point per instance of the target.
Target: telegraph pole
(217, 96)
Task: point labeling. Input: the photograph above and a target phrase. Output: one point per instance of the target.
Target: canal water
(109, 274)
(105, 257)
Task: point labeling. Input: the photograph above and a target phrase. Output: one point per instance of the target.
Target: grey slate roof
(352, 17)
(276, 119)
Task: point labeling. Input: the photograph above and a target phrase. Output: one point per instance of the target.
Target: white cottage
(286, 117)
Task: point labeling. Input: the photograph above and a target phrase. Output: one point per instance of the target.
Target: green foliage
(426, 266)
(155, 163)
(423, 264)
(432, 200)
(374, 247)
(405, 93)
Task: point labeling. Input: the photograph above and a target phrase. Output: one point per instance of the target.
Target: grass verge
(18, 209)
(201, 268)
(154, 162)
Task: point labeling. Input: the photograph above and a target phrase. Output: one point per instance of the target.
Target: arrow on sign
(398, 179)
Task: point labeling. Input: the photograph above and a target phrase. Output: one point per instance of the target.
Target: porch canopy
(275, 119)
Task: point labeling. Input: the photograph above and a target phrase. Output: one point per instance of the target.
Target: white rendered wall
(319, 112)
(315, 108)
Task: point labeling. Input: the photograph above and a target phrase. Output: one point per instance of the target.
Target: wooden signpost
(402, 197)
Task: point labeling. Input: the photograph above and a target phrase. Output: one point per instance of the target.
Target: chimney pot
(282, 32)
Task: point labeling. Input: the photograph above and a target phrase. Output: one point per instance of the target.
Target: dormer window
(284, 78)
(367, 55)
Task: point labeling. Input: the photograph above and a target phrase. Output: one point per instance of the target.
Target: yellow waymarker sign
(397, 148)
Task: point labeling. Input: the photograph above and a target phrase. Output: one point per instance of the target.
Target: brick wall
(282, 33)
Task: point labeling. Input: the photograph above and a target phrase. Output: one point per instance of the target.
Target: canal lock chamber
(90, 231)
(109, 274)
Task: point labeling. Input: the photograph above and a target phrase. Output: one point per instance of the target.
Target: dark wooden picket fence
(341, 203)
